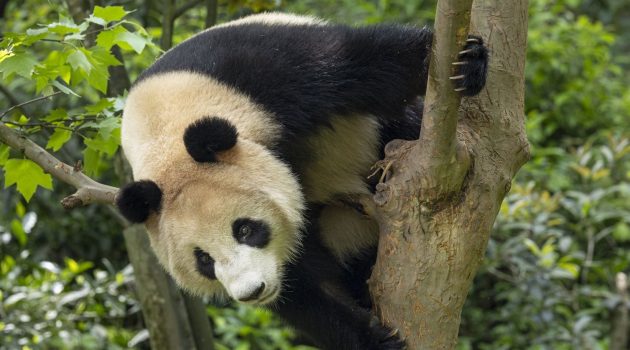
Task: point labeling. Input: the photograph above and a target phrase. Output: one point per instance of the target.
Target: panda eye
(205, 263)
(245, 230)
(254, 233)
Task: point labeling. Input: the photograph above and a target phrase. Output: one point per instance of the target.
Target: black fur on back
(305, 74)
(209, 135)
(137, 200)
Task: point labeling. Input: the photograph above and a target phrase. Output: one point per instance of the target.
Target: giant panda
(246, 139)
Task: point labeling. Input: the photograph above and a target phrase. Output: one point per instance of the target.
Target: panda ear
(209, 135)
(139, 199)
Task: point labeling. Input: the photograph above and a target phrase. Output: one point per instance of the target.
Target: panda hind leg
(316, 302)
(471, 68)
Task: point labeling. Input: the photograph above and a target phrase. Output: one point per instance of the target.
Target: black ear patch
(207, 136)
(138, 199)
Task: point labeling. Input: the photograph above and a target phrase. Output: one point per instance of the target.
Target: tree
(441, 192)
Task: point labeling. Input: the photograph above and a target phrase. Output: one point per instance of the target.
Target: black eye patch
(207, 136)
(254, 233)
(205, 263)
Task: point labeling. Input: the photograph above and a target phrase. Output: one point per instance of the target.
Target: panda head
(226, 222)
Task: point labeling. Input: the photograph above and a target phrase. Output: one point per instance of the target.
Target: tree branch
(187, 6)
(211, 13)
(438, 141)
(20, 105)
(88, 190)
(436, 207)
(621, 324)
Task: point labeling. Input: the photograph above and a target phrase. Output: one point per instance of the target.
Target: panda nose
(254, 294)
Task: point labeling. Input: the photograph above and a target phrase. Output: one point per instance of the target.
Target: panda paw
(385, 338)
(471, 68)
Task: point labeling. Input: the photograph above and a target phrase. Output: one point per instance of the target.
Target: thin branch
(180, 11)
(443, 162)
(20, 105)
(619, 339)
(439, 121)
(211, 13)
(88, 190)
(43, 125)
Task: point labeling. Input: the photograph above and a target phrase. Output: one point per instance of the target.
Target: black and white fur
(247, 137)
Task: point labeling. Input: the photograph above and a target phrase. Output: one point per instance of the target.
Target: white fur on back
(346, 232)
(344, 154)
(275, 18)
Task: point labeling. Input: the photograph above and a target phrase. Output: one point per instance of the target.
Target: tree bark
(443, 192)
(621, 320)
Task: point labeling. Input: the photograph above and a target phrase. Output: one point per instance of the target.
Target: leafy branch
(88, 190)
(20, 105)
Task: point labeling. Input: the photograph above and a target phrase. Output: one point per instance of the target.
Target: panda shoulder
(274, 18)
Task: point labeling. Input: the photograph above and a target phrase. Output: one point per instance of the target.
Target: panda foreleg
(317, 304)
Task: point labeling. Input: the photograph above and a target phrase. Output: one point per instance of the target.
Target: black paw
(385, 338)
(471, 68)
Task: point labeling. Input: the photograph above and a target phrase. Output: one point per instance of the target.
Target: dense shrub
(548, 278)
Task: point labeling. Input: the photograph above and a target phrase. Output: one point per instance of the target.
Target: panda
(247, 139)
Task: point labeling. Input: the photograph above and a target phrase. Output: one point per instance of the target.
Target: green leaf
(107, 38)
(110, 13)
(531, 245)
(4, 153)
(79, 60)
(75, 36)
(72, 265)
(107, 145)
(55, 115)
(92, 162)
(66, 90)
(98, 78)
(134, 40)
(58, 139)
(4, 54)
(108, 126)
(571, 268)
(26, 175)
(621, 232)
(36, 32)
(122, 37)
(100, 106)
(18, 231)
(21, 64)
(63, 28)
(103, 57)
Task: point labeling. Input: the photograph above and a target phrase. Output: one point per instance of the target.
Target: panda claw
(463, 52)
(472, 40)
(393, 333)
(457, 77)
(460, 63)
(460, 89)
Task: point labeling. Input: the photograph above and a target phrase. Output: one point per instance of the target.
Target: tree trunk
(164, 306)
(440, 200)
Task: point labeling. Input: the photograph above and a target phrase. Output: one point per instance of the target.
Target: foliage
(562, 234)
(68, 62)
(574, 85)
(243, 328)
(46, 305)
(551, 262)
(420, 12)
